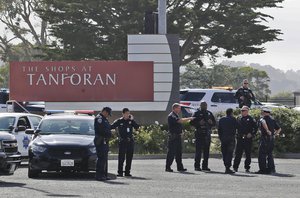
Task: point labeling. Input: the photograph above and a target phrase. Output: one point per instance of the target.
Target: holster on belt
(128, 139)
(201, 132)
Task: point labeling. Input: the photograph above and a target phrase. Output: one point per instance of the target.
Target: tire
(32, 173)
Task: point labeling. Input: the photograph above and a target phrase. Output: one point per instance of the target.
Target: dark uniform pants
(265, 154)
(227, 149)
(202, 145)
(126, 148)
(102, 155)
(174, 151)
(241, 146)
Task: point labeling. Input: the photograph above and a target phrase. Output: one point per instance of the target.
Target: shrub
(153, 138)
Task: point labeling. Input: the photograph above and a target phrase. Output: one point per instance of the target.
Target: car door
(23, 139)
(34, 120)
(220, 101)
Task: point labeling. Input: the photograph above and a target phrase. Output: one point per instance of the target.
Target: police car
(62, 142)
(16, 124)
(217, 99)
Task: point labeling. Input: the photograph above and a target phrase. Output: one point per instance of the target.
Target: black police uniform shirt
(203, 115)
(271, 123)
(125, 127)
(247, 93)
(102, 127)
(174, 126)
(246, 125)
(227, 128)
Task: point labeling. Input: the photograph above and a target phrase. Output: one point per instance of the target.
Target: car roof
(18, 114)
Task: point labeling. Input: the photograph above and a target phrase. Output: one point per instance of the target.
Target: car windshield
(67, 126)
(6, 122)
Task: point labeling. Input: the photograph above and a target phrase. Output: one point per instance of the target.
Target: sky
(284, 54)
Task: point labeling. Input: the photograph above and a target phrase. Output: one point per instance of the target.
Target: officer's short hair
(107, 109)
(203, 102)
(229, 111)
(125, 110)
(175, 105)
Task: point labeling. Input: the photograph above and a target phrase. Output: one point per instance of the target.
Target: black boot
(229, 171)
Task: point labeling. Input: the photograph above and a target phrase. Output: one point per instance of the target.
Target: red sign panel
(82, 81)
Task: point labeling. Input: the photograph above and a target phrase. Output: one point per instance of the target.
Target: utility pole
(162, 16)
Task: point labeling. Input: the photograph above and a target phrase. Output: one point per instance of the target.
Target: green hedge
(152, 139)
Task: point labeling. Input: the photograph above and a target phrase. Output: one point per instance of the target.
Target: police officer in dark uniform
(125, 126)
(203, 122)
(227, 130)
(268, 128)
(247, 128)
(174, 142)
(102, 135)
(244, 95)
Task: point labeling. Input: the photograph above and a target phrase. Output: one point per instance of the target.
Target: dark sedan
(62, 143)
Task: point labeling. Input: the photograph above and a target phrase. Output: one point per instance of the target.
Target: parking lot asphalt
(150, 180)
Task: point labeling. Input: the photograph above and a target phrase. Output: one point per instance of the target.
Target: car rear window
(223, 97)
(191, 96)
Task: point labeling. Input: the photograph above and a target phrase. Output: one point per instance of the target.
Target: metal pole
(162, 17)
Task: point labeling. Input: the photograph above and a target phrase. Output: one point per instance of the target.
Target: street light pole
(162, 17)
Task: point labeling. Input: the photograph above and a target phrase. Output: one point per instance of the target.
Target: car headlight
(93, 149)
(38, 148)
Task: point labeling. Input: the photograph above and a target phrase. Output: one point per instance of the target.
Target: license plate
(67, 162)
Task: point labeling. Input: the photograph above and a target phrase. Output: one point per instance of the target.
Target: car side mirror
(20, 128)
(11, 128)
(29, 131)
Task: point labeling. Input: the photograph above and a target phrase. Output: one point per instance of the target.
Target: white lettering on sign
(74, 79)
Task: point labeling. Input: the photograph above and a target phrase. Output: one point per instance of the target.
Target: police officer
(174, 141)
(203, 122)
(247, 128)
(125, 126)
(268, 128)
(227, 131)
(102, 135)
(244, 95)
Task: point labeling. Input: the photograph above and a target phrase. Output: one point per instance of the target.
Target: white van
(217, 99)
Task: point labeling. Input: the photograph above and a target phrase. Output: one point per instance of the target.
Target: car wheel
(33, 173)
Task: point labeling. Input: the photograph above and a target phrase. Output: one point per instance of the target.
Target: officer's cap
(107, 109)
(266, 109)
(245, 108)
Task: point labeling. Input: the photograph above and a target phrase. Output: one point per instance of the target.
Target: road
(150, 180)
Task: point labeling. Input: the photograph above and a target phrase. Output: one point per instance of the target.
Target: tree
(23, 27)
(92, 29)
(221, 75)
(4, 76)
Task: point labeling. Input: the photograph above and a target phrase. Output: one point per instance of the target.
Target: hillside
(279, 80)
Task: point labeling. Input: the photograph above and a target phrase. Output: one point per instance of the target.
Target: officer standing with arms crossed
(269, 128)
(101, 141)
(174, 142)
(203, 122)
(125, 126)
(247, 128)
(227, 131)
(244, 95)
